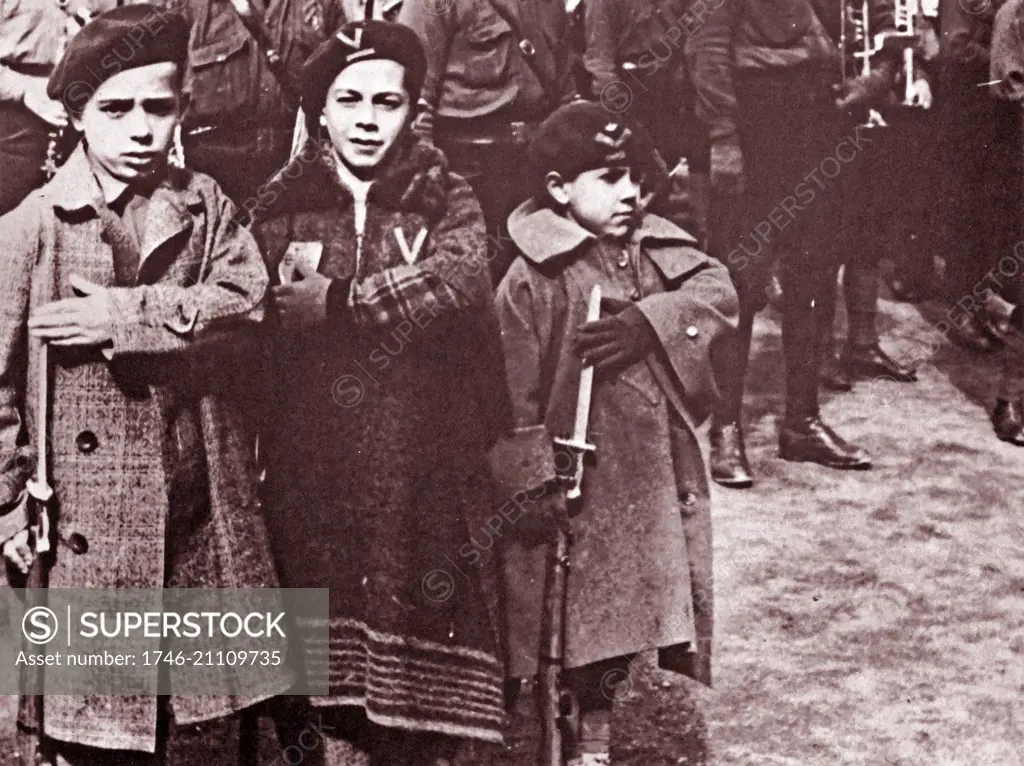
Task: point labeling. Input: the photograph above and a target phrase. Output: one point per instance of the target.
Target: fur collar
(413, 180)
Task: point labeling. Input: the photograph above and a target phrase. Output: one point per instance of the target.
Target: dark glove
(727, 167)
(867, 90)
(543, 513)
(618, 341)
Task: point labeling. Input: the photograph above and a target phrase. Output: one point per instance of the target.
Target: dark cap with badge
(361, 41)
(115, 41)
(583, 136)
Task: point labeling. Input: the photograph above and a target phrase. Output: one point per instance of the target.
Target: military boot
(863, 356)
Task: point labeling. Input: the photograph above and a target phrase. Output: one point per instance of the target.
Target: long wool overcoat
(377, 439)
(640, 576)
(200, 286)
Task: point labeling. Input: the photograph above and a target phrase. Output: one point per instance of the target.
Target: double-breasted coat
(641, 575)
(175, 335)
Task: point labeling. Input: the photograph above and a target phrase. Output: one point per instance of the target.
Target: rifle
(32, 743)
(558, 711)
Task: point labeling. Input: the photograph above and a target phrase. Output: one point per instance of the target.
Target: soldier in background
(33, 34)
(1007, 75)
(980, 149)
(642, 57)
(885, 204)
(495, 69)
(242, 119)
(783, 112)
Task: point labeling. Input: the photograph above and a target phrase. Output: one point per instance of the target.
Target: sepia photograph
(512, 382)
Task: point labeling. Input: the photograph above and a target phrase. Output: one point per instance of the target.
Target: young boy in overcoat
(135, 276)
(640, 574)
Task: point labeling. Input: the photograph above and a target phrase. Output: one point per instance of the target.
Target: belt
(263, 136)
(484, 133)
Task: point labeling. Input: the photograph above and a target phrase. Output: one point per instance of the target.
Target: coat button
(689, 499)
(86, 442)
(624, 260)
(692, 331)
(635, 295)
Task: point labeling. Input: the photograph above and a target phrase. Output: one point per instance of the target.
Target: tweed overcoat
(199, 292)
(377, 437)
(641, 574)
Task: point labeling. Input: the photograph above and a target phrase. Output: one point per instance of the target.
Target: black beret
(115, 41)
(584, 135)
(360, 41)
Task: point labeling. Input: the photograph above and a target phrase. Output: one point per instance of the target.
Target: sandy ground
(869, 618)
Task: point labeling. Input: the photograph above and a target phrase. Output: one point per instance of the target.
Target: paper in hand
(306, 254)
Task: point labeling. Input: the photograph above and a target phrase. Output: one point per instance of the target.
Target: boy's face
(129, 121)
(367, 108)
(603, 201)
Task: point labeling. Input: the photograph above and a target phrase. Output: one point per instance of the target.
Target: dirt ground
(871, 618)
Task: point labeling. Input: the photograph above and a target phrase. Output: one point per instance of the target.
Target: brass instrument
(859, 46)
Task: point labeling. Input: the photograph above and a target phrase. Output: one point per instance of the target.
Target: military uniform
(980, 147)
(799, 150)
(494, 69)
(32, 33)
(241, 123)
(1007, 67)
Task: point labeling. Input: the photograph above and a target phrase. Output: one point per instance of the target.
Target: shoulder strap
(528, 51)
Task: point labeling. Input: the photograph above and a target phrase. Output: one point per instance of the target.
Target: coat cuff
(523, 461)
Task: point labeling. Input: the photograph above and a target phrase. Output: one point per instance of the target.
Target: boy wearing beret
(640, 575)
(135, 276)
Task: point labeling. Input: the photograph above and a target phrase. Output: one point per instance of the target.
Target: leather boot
(810, 308)
(729, 466)
(1008, 421)
(863, 356)
(811, 441)
(834, 373)
(1008, 414)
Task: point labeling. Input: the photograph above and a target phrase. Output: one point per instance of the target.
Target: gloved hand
(542, 515)
(727, 167)
(617, 341)
(867, 90)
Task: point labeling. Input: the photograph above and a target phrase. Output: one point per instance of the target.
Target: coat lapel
(170, 214)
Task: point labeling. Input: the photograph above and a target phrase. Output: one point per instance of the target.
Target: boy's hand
(303, 303)
(617, 341)
(84, 321)
(18, 551)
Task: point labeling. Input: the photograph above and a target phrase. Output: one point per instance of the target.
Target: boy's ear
(557, 187)
(75, 118)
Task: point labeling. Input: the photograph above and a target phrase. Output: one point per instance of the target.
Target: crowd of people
(314, 282)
